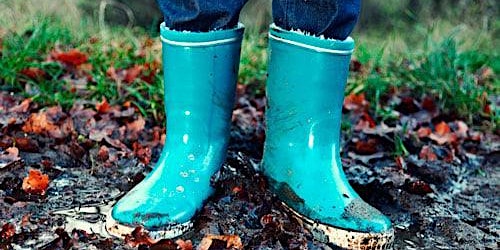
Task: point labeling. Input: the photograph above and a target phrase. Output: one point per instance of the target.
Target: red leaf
(423, 132)
(356, 102)
(143, 153)
(33, 73)
(442, 129)
(103, 106)
(36, 182)
(429, 104)
(366, 147)
(427, 154)
(419, 187)
(132, 74)
(73, 57)
(8, 230)
(103, 153)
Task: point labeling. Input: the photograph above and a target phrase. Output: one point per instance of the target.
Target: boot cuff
(308, 41)
(201, 39)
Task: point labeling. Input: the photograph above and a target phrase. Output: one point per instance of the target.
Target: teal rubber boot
(305, 92)
(200, 72)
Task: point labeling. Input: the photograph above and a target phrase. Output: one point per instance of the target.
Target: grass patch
(457, 67)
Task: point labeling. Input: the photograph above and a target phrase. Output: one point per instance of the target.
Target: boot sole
(344, 238)
(114, 228)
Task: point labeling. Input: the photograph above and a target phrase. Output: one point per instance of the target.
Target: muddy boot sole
(343, 238)
(118, 230)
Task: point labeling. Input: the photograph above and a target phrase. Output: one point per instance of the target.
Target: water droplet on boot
(191, 157)
(179, 189)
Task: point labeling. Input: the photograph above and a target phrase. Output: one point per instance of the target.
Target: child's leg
(201, 15)
(331, 18)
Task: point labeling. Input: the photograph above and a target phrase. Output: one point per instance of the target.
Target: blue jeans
(330, 18)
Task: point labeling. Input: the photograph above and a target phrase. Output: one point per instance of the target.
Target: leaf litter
(61, 169)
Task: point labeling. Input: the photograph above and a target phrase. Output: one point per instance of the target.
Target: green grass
(439, 61)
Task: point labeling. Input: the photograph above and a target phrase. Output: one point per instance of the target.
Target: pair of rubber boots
(305, 91)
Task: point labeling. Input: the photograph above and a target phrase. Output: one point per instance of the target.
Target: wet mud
(457, 208)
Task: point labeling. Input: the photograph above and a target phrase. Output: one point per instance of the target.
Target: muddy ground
(434, 204)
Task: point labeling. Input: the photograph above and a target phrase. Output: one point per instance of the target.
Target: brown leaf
(427, 154)
(10, 154)
(141, 152)
(366, 147)
(232, 241)
(132, 73)
(135, 127)
(419, 187)
(184, 245)
(423, 132)
(73, 57)
(139, 237)
(52, 122)
(36, 182)
(450, 138)
(26, 144)
(103, 153)
(356, 102)
(23, 107)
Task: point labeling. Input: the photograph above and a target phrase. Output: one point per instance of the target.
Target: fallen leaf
(8, 230)
(26, 144)
(23, 107)
(143, 153)
(139, 237)
(135, 128)
(232, 241)
(427, 154)
(366, 147)
(184, 245)
(35, 182)
(429, 104)
(423, 132)
(52, 122)
(103, 106)
(419, 187)
(450, 138)
(10, 154)
(103, 154)
(356, 102)
(132, 73)
(442, 129)
(73, 57)
(33, 73)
